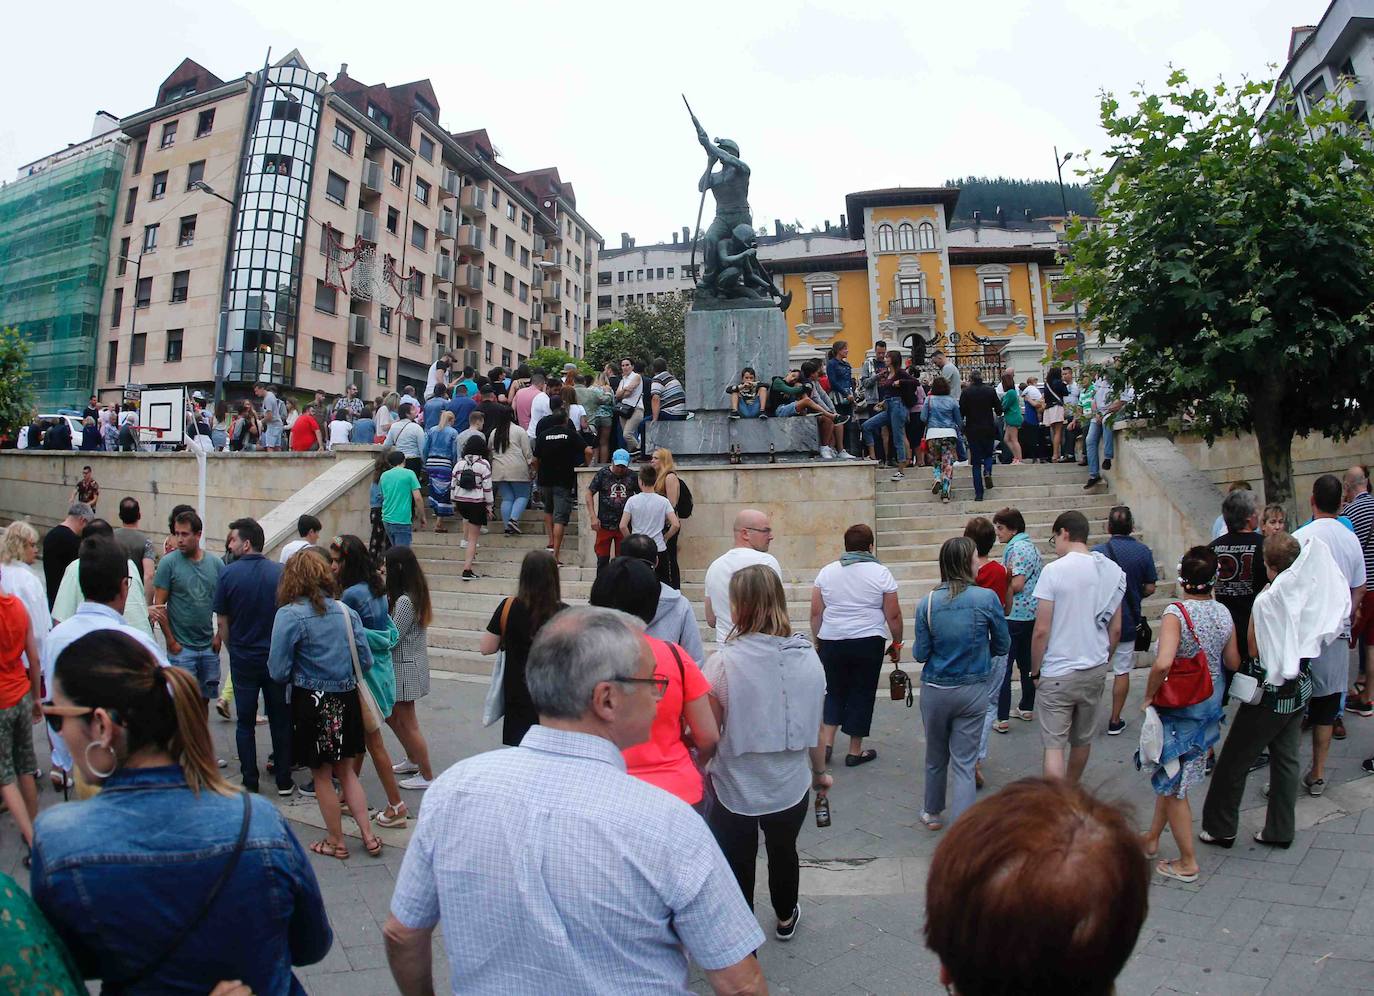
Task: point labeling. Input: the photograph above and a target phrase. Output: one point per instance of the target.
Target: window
(906, 236)
(886, 242)
(994, 296)
(510, 211)
(421, 191)
(491, 312)
(505, 358)
(524, 291)
(417, 283)
(393, 221)
(419, 235)
(670, 273)
(335, 188)
(524, 257)
(122, 263)
(139, 150)
(286, 110)
(413, 329)
(180, 92)
(822, 305)
(159, 190)
(383, 370)
(321, 355)
(491, 273)
(495, 198)
(508, 283)
(491, 235)
(524, 329)
(111, 359)
(169, 135)
(660, 273)
(384, 319)
(925, 236)
(205, 123)
(195, 173)
(378, 115)
(620, 276)
(343, 138)
(143, 293)
(149, 238)
(130, 204)
(117, 307)
(398, 173)
(324, 297)
(524, 222)
(174, 337)
(186, 234)
(181, 285)
(426, 108)
(426, 149)
(278, 164)
(138, 348)
(507, 320)
(639, 274)
(603, 301)
(487, 351)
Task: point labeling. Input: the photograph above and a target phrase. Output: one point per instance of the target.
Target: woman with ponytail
(168, 880)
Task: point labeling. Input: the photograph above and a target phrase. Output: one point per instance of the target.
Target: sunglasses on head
(55, 714)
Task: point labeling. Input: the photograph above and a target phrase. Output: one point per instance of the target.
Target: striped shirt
(672, 399)
(1360, 511)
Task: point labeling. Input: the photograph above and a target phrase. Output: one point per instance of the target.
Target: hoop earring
(95, 771)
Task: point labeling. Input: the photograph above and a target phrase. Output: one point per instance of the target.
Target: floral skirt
(325, 726)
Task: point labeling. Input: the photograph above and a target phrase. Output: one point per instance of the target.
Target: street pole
(1080, 342)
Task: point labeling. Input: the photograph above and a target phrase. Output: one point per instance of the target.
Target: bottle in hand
(822, 809)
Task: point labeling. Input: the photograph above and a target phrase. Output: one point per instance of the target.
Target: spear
(692, 267)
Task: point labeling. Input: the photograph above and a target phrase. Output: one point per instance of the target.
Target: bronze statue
(730, 265)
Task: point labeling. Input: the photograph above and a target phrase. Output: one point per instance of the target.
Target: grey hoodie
(677, 623)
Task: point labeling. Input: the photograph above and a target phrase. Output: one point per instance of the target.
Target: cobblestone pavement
(1258, 920)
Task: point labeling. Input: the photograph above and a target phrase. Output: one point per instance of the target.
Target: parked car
(73, 422)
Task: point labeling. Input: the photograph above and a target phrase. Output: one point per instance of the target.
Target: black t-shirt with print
(559, 450)
(1240, 577)
(612, 492)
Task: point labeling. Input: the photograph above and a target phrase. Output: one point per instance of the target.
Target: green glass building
(54, 252)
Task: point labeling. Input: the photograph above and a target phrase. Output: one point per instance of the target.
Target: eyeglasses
(660, 685)
(766, 530)
(56, 714)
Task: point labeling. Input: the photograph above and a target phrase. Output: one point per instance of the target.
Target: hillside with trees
(986, 194)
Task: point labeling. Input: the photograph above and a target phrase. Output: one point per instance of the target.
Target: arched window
(925, 236)
(906, 237)
(885, 240)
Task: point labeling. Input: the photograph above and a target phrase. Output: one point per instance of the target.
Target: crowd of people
(643, 765)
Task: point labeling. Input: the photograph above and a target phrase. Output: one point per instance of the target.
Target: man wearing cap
(610, 489)
(569, 374)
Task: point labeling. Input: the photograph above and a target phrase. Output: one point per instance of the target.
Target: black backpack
(467, 479)
(684, 500)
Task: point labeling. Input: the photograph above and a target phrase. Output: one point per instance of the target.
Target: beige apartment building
(221, 240)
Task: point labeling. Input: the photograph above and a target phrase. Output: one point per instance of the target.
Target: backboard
(162, 416)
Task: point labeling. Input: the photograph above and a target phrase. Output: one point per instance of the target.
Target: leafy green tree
(552, 360)
(647, 331)
(16, 382)
(1236, 262)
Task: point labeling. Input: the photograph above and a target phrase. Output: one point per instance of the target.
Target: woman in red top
(989, 574)
(664, 760)
(20, 690)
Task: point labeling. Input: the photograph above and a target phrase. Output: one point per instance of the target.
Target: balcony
(824, 317)
(473, 201)
(466, 320)
(443, 312)
(443, 266)
(551, 323)
(1349, 93)
(540, 244)
(911, 307)
(372, 177)
(359, 331)
(367, 226)
(358, 378)
(553, 291)
(468, 278)
(448, 225)
(449, 183)
(553, 260)
(469, 240)
(555, 238)
(996, 313)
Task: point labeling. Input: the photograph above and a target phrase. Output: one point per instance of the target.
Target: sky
(824, 97)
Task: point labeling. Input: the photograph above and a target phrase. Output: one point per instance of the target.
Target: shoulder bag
(1144, 635)
(1189, 680)
(899, 682)
(372, 716)
(495, 705)
(686, 728)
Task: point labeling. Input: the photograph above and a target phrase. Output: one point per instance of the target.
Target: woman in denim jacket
(128, 878)
(959, 629)
(326, 713)
(941, 416)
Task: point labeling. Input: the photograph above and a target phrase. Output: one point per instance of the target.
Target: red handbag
(1189, 680)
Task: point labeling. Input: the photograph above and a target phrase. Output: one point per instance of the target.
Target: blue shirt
(462, 406)
(364, 431)
(433, 408)
(1138, 563)
(308, 650)
(962, 636)
(119, 874)
(1021, 557)
(247, 594)
(553, 870)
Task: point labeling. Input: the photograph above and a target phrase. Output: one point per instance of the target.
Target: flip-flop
(1166, 868)
(854, 760)
(327, 850)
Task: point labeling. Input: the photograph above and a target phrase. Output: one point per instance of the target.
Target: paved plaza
(1258, 920)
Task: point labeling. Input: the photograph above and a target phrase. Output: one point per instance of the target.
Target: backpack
(467, 479)
(684, 500)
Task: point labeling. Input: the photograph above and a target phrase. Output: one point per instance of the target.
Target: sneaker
(827, 453)
(513, 526)
(469, 575)
(462, 544)
(898, 476)
(485, 530)
(222, 707)
(1107, 464)
(935, 488)
(987, 481)
(846, 455)
(841, 419)
(509, 531)
(961, 463)
(1359, 707)
(1368, 765)
(406, 767)
(286, 791)
(1115, 729)
(1261, 762)
(418, 782)
(1025, 715)
(221, 762)
(308, 789)
(1092, 483)
(690, 416)
(734, 416)
(762, 415)
(1315, 786)
(251, 788)
(785, 931)
(1338, 730)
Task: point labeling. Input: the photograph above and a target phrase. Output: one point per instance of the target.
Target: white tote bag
(495, 705)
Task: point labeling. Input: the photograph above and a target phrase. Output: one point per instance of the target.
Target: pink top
(524, 398)
(663, 760)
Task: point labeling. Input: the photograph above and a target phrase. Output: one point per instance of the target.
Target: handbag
(1189, 680)
(1246, 688)
(372, 716)
(625, 410)
(495, 705)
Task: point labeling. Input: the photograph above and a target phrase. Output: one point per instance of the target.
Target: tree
(16, 382)
(647, 332)
(552, 360)
(1236, 262)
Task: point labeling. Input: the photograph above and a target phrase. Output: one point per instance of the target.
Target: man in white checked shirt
(554, 871)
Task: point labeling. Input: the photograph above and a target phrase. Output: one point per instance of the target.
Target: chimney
(675, 238)
(686, 234)
(1001, 218)
(632, 243)
(977, 225)
(777, 226)
(841, 223)
(1028, 214)
(625, 240)
(343, 69)
(827, 225)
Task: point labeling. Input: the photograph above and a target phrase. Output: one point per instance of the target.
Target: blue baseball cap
(621, 458)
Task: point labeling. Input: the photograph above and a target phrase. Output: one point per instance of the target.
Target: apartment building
(1334, 57)
(239, 194)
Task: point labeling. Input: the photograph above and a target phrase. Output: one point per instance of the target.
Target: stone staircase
(911, 524)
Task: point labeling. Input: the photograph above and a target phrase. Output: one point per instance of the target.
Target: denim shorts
(749, 409)
(787, 410)
(399, 533)
(203, 665)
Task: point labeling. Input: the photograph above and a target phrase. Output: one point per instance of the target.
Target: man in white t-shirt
(308, 529)
(753, 533)
(650, 514)
(539, 409)
(1077, 626)
(340, 428)
(1331, 668)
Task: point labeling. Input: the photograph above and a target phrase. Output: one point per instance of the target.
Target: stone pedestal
(708, 437)
(720, 343)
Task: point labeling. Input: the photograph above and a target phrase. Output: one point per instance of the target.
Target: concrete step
(1023, 474)
(920, 505)
(459, 661)
(1006, 493)
(448, 545)
(899, 548)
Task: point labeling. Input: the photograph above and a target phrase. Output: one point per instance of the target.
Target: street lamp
(223, 338)
(1079, 339)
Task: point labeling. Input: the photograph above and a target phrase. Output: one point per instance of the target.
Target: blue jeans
(399, 533)
(250, 678)
(893, 415)
(983, 460)
(515, 497)
(204, 667)
(1097, 432)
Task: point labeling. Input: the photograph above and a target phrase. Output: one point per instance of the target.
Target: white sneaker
(827, 453)
(846, 455)
(462, 544)
(417, 782)
(406, 767)
(961, 463)
(221, 762)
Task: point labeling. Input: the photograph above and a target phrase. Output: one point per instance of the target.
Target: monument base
(710, 436)
(722, 343)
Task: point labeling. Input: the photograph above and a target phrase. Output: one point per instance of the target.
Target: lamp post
(223, 334)
(1079, 339)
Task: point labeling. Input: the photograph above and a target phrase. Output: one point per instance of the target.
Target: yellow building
(988, 293)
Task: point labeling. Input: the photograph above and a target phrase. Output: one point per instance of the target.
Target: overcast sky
(824, 97)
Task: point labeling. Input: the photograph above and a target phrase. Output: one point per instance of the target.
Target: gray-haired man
(548, 862)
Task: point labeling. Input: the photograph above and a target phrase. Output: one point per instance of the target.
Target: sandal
(393, 816)
(1002, 726)
(1166, 868)
(374, 846)
(326, 849)
(863, 757)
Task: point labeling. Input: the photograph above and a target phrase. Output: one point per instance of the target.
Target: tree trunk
(1275, 441)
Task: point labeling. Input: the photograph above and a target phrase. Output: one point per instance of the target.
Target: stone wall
(1234, 458)
(811, 505)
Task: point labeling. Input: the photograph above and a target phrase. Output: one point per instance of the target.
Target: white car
(73, 422)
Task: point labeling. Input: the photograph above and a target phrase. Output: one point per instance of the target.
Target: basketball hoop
(354, 264)
(403, 286)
